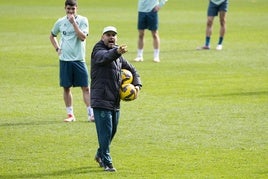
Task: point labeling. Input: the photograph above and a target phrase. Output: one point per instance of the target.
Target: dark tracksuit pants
(106, 122)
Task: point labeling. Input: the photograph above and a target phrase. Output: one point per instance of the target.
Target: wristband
(57, 49)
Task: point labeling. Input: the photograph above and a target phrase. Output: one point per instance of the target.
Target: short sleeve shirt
(148, 5)
(217, 1)
(72, 48)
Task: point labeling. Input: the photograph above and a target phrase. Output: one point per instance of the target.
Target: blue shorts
(214, 9)
(73, 74)
(148, 20)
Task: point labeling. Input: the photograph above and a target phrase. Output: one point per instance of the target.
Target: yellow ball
(126, 76)
(128, 92)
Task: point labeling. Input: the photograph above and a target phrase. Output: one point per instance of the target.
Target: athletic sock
(140, 53)
(156, 53)
(69, 110)
(220, 40)
(207, 41)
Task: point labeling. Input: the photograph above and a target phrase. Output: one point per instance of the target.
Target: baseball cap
(109, 29)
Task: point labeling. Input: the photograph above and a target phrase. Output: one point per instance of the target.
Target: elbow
(52, 37)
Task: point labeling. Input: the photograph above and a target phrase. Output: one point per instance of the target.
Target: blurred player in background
(73, 31)
(215, 8)
(148, 19)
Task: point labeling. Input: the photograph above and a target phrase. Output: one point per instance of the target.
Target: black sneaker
(109, 168)
(98, 160)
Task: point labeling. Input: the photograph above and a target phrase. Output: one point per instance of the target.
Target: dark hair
(70, 3)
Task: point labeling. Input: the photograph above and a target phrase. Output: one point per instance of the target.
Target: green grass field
(200, 114)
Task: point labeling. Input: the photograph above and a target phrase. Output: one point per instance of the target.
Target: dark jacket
(106, 65)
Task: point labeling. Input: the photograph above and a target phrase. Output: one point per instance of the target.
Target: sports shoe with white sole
(109, 168)
(203, 48)
(70, 118)
(219, 47)
(138, 59)
(156, 60)
(99, 161)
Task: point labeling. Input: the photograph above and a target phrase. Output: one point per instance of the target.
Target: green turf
(200, 114)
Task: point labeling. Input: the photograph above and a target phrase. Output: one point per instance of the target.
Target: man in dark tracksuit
(106, 65)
